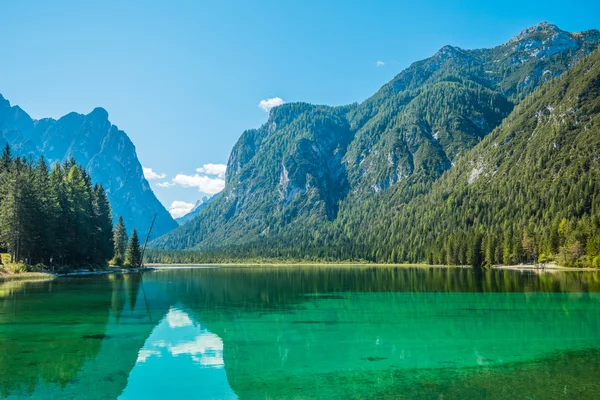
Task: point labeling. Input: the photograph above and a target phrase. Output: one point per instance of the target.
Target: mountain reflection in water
(179, 355)
(296, 332)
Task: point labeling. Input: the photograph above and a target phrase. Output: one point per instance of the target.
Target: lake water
(303, 333)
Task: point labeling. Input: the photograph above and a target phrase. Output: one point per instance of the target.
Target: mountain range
(198, 207)
(105, 151)
(314, 181)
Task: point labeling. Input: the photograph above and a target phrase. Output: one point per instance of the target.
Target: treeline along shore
(57, 218)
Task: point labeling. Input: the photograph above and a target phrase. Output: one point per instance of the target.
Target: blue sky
(184, 79)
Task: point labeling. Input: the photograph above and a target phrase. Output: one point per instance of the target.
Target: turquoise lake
(324, 332)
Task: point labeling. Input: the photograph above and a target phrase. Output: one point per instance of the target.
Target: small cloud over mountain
(204, 184)
(209, 179)
(178, 209)
(213, 169)
(266, 105)
(379, 63)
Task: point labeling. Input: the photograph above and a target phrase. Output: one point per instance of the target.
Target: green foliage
(133, 255)
(120, 243)
(15, 267)
(335, 183)
(527, 191)
(52, 216)
(103, 235)
(4, 258)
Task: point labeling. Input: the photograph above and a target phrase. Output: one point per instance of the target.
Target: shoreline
(550, 266)
(47, 275)
(547, 268)
(108, 271)
(27, 276)
(294, 264)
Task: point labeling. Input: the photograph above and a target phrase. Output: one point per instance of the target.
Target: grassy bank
(26, 276)
(23, 272)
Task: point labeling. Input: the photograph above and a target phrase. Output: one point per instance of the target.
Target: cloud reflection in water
(178, 354)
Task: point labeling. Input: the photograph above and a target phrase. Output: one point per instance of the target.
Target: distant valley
(195, 211)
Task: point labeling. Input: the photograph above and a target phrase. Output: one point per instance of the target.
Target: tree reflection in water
(257, 332)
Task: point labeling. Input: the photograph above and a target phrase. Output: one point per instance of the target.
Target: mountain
(107, 153)
(310, 167)
(198, 207)
(529, 191)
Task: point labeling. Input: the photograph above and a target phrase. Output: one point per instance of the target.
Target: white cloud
(180, 208)
(209, 179)
(206, 349)
(266, 105)
(178, 318)
(213, 169)
(144, 354)
(151, 175)
(380, 63)
(165, 184)
(205, 342)
(203, 183)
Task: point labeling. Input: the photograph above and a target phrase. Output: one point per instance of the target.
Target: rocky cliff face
(94, 142)
(307, 162)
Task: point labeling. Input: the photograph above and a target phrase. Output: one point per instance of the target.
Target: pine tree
(5, 163)
(5, 159)
(12, 209)
(133, 256)
(52, 215)
(120, 242)
(45, 214)
(79, 247)
(104, 246)
(475, 256)
(58, 198)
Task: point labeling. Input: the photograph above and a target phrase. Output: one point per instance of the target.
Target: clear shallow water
(303, 332)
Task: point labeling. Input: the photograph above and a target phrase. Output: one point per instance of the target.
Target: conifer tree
(12, 212)
(5, 159)
(133, 256)
(103, 221)
(58, 198)
(120, 242)
(80, 212)
(45, 217)
(52, 215)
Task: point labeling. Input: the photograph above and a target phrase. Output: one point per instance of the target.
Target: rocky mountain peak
(448, 50)
(4, 102)
(106, 152)
(542, 27)
(99, 113)
(199, 203)
(197, 209)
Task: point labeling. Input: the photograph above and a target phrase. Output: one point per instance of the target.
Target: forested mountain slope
(106, 152)
(530, 190)
(311, 167)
